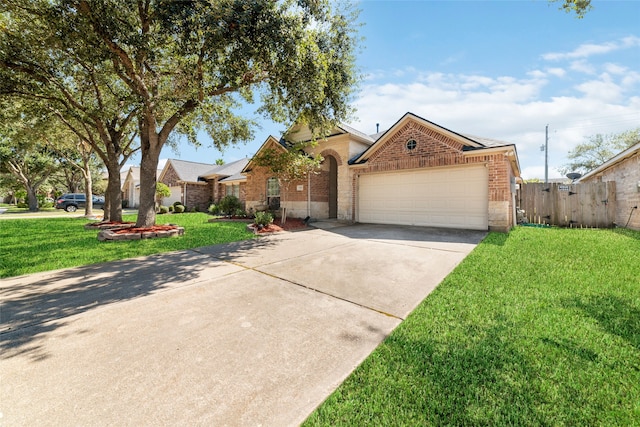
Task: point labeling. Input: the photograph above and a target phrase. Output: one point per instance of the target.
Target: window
(411, 144)
(232, 190)
(273, 193)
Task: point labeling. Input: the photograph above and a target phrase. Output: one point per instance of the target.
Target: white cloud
(506, 108)
(615, 68)
(582, 67)
(590, 49)
(603, 90)
(557, 72)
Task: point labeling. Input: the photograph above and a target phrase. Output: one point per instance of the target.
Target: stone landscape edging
(105, 235)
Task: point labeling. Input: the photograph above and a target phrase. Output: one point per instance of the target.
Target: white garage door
(448, 197)
(176, 196)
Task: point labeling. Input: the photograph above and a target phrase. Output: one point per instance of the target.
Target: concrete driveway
(251, 333)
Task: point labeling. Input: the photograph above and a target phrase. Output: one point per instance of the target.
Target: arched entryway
(333, 186)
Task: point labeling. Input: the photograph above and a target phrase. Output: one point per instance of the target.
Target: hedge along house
(197, 185)
(415, 173)
(624, 169)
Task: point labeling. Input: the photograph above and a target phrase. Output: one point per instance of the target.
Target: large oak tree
(186, 65)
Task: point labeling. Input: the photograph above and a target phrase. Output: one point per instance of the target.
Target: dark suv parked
(72, 201)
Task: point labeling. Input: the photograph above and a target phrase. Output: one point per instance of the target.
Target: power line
(591, 123)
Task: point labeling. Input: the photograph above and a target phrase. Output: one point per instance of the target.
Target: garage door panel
(451, 198)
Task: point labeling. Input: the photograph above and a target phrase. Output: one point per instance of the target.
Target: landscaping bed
(276, 226)
(138, 233)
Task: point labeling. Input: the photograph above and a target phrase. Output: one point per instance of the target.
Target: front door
(333, 187)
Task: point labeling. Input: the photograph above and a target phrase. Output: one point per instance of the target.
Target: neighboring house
(130, 181)
(415, 173)
(131, 187)
(197, 185)
(624, 169)
(226, 180)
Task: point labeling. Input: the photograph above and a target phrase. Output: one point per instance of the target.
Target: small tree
(288, 165)
(162, 191)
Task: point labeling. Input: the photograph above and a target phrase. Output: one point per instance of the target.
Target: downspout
(184, 194)
(308, 194)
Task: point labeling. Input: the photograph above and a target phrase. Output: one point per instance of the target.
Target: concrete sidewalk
(250, 333)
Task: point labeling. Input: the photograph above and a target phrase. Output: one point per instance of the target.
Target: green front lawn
(538, 327)
(35, 245)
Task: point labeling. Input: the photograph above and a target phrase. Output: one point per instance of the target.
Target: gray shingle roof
(235, 177)
(487, 142)
(189, 171)
(228, 169)
(354, 131)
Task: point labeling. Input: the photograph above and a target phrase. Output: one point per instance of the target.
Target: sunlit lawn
(538, 327)
(35, 245)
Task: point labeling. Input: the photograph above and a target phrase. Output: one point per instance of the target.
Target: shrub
(177, 203)
(240, 213)
(22, 205)
(178, 208)
(229, 204)
(163, 210)
(213, 209)
(263, 218)
(170, 208)
(125, 203)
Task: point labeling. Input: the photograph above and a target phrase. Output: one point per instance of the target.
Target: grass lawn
(538, 327)
(34, 245)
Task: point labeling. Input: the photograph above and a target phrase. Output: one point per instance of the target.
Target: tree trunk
(88, 192)
(106, 216)
(32, 198)
(113, 197)
(150, 147)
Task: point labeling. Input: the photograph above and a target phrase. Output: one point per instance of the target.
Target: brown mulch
(290, 225)
(152, 229)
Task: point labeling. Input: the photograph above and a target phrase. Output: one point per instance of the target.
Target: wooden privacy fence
(569, 205)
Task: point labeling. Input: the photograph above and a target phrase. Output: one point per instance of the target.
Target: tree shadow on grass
(614, 314)
(34, 306)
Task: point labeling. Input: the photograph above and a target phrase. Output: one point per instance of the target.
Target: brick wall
(170, 177)
(626, 174)
(197, 196)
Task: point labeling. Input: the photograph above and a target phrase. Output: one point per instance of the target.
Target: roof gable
(226, 170)
(436, 133)
(187, 171)
(270, 142)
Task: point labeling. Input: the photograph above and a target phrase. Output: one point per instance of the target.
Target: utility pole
(546, 154)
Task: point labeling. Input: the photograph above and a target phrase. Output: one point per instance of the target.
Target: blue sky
(497, 69)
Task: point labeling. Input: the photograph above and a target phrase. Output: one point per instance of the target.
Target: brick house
(415, 173)
(624, 169)
(197, 185)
